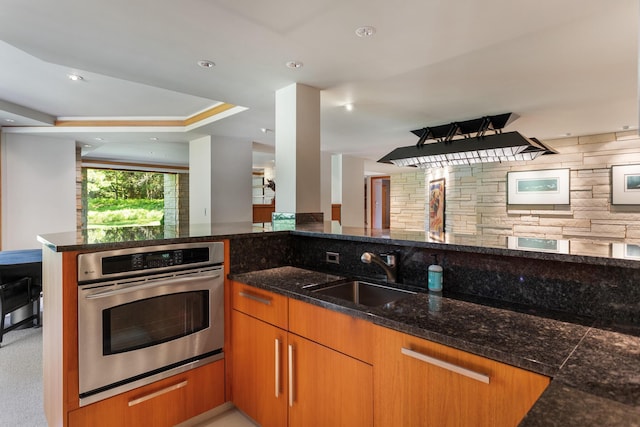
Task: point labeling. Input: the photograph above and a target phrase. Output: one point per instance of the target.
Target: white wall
(38, 189)
(336, 178)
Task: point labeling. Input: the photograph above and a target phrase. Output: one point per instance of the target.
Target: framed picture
(541, 187)
(624, 250)
(538, 244)
(436, 209)
(625, 185)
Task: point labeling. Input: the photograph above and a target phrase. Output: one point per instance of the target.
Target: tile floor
(223, 416)
(230, 418)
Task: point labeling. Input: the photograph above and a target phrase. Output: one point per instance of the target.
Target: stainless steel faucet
(388, 263)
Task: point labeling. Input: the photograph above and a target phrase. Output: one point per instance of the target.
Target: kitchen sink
(365, 293)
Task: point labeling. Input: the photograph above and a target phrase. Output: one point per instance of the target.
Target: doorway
(380, 202)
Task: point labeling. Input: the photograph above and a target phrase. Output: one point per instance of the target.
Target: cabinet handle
(255, 298)
(291, 396)
(277, 368)
(158, 393)
(446, 365)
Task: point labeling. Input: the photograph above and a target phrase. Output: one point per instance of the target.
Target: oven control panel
(154, 259)
(161, 259)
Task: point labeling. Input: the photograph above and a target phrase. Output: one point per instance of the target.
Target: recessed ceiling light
(75, 77)
(86, 145)
(294, 64)
(348, 107)
(366, 31)
(205, 63)
(97, 138)
(9, 120)
(153, 138)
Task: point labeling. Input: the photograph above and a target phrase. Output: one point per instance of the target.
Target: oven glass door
(153, 321)
(128, 331)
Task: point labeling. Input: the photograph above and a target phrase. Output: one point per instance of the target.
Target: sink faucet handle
(390, 258)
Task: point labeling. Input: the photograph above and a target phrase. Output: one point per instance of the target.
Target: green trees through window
(117, 198)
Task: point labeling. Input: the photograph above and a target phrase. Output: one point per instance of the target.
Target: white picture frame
(625, 251)
(539, 187)
(538, 244)
(625, 185)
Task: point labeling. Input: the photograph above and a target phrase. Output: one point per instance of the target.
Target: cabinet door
(327, 388)
(420, 383)
(258, 378)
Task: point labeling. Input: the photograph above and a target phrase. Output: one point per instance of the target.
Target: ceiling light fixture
(348, 107)
(75, 77)
(97, 138)
(455, 145)
(153, 138)
(205, 63)
(9, 120)
(366, 31)
(294, 64)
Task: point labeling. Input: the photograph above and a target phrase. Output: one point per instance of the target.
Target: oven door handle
(147, 285)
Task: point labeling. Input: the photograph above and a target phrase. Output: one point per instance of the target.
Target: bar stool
(17, 294)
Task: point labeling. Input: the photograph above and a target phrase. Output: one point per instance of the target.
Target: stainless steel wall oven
(147, 313)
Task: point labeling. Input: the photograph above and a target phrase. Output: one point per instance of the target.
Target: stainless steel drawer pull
(277, 368)
(446, 365)
(291, 397)
(255, 298)
(158, 393)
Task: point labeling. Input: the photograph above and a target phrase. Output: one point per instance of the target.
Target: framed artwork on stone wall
(436, 209)
(540, 187)
(625, 185)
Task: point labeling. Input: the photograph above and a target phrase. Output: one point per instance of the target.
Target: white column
(200, 182)
(352, 189)
(219, 181)
(298, 188)
(325, 184)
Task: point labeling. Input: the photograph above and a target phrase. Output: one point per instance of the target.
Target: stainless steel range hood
(455, 145)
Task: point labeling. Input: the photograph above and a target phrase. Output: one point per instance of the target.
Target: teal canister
(435, 276)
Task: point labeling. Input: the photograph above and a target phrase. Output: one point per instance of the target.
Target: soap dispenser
(435, 275)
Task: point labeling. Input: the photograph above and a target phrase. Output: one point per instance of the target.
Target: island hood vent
(466, 143)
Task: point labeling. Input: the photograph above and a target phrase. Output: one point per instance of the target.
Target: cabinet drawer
(341, 332)
(261, 304)
(163, 403)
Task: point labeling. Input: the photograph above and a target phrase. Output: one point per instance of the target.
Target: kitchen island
(589, 350)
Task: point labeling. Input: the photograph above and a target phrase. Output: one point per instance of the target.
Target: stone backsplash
(577, 288)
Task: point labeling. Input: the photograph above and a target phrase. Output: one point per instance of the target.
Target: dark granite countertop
(595, 367)
(127, 237)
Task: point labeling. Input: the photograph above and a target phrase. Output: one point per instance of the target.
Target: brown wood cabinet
(328, 388)
(421, 383)
(163, 403)
(259, 385)
(280, 378)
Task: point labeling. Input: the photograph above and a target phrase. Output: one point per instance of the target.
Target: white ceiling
(564, 67)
